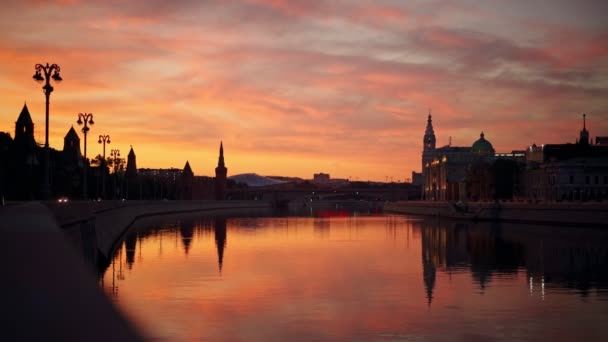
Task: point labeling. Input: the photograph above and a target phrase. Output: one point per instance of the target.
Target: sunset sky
(298, 87)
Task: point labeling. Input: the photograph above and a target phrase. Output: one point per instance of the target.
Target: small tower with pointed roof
(131, 171)
(220, 176)
(71, 148)
(24, 128)
(186, 182)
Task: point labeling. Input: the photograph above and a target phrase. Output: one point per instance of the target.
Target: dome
(482, 146)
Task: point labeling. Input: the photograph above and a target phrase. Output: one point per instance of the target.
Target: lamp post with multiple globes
(104, 138)
(85, 119)
(115, 155)
(46, 73)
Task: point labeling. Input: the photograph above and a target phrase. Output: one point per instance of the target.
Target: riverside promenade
(49, 285)
(565, 213)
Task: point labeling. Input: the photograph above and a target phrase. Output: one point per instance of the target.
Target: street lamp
(43, 73)
(86, 119)
(115, 154)
(104, 139)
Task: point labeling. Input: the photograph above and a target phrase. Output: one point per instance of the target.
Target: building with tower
(459, 173)
(568, 172)
(220, 176)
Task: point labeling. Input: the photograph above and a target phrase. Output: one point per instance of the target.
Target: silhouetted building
(24, 167)
(69, 175)
(220, 176)
(131, 172)
(186, 182)
(557, 172)
(320, 178)
(24, 129)
(134, 186)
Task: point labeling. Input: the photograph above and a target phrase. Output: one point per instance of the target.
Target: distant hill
(255, 180)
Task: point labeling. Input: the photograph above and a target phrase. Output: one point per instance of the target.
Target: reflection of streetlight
(105, 139)
(86, 119)
(48, 89)
(114, 154)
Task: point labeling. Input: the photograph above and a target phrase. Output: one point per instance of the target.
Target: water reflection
(219, 227)
(572, 258)
(359, 277)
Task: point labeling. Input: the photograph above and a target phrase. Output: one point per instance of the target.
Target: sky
(295, 87)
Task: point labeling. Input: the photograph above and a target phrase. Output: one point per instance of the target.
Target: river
(337, 275)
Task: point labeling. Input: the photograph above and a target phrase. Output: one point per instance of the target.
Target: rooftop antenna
(450, 142)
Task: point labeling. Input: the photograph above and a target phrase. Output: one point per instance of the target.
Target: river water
(361, 277)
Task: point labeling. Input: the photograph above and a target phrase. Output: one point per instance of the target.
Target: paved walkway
(48, 292)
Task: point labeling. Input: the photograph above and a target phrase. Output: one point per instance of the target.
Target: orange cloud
(294, 88)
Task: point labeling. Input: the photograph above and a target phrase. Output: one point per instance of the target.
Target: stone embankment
(50, 292)
(573, 214)
(98, 226)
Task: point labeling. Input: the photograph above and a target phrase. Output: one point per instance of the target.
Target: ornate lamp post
(85, 119)
(115, 154)
(104, 139)
(43, 73)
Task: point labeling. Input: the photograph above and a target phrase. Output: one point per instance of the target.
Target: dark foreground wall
(574, 214)
(49, 291)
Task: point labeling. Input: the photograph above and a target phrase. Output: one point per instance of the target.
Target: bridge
(276, 194)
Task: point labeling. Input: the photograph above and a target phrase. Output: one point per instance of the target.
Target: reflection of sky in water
(361, 278)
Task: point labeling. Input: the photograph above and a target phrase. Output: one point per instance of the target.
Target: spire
(429, 134)
(221, 159)
(220, 176)
(481, 136)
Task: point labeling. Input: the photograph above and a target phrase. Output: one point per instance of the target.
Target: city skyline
(296, 88)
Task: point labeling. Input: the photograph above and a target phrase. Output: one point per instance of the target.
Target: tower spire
(220, 176)
(220, 161)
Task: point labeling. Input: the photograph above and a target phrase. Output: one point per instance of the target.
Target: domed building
(482, 147)
(458, 173)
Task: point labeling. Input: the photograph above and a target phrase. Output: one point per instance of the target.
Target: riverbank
(572, 214)
(97, 227)
(50, 291)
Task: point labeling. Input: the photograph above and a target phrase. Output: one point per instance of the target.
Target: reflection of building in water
(130, 245)
(552, 256)
(219, 226)
(447, 246)
(575, 262)
(186, 230)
